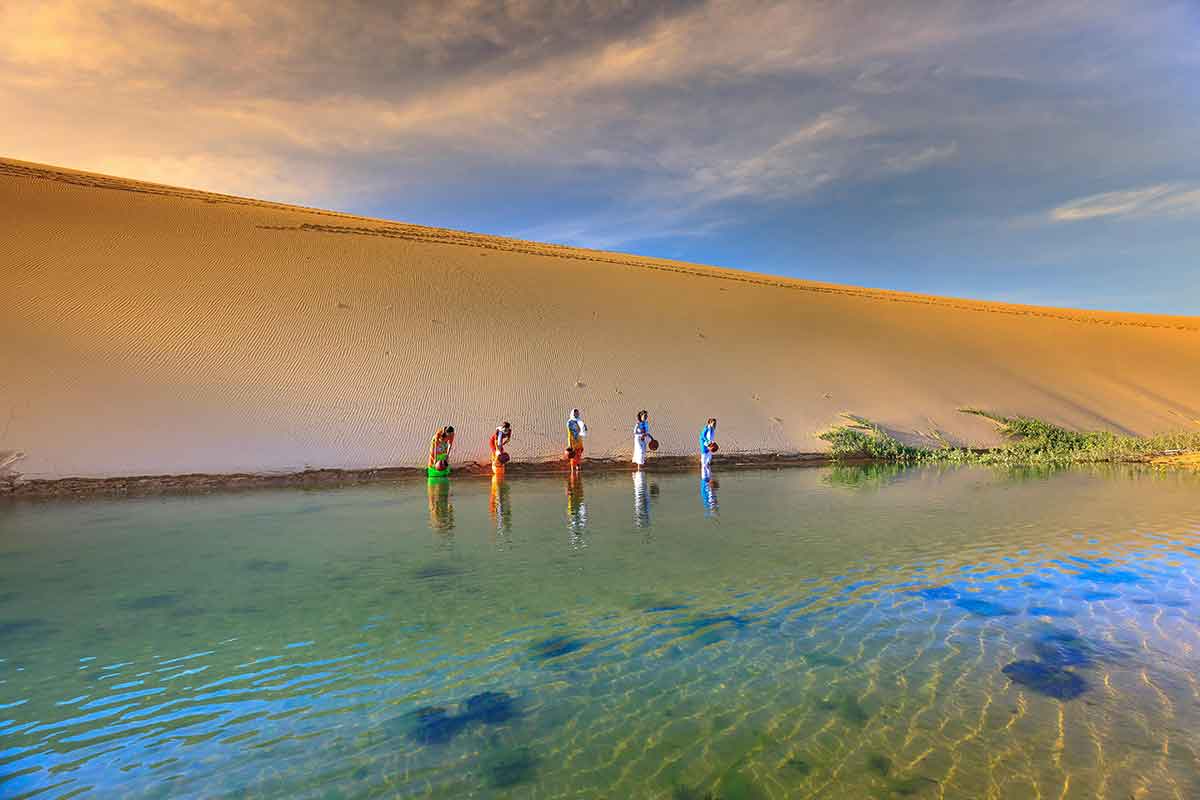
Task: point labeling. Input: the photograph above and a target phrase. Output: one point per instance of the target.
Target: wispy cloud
(1162, 200)
(911, 162)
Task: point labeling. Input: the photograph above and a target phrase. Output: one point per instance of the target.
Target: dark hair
(449, 429)
(643, 414)
(711, 421)
(505, 424)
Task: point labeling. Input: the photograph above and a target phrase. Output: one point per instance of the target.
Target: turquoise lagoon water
(852, 633)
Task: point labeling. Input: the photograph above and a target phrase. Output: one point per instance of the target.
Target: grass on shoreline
(1027, 441)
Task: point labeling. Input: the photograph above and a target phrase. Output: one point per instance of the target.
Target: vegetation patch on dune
(1027, 441)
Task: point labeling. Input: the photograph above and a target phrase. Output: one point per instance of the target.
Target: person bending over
(440, 447)
(500, 438)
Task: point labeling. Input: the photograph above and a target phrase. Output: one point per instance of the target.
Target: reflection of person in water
(708, 497)
(641, 501)
(441, 512)
(576, 508)
(498, 504)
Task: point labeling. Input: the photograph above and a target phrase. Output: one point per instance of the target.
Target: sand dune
(153, 330)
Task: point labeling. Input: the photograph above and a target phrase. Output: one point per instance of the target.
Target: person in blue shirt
(708, 446)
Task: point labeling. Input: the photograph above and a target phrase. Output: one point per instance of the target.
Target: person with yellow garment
(439, 451)
(499, 439)
(576, 430)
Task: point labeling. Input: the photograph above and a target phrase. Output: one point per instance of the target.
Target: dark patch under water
(1164, 602)
(23, 627)
(879, 764)
(1050, 611)
(511, 768)
(736, 785)
(652, 603)
(489, 707)
(983, 608)
(1061, 648)
(1048, 679)
(8, 597)
(936, 593)
(1112, 576)
(684, 792)
(555, 647)
(245, 610)
(1099, 595)
(798, 765)
(152, 601)
(824, 660)
(437, 725)
(436, 570)
(907, 787)
(704, 621)
(262, 565)
(848, 708)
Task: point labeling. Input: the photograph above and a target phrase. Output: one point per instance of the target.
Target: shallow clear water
(800, 633)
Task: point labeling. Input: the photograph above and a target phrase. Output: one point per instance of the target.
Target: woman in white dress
(641, 438)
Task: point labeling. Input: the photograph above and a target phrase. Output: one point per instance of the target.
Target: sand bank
(148, 330)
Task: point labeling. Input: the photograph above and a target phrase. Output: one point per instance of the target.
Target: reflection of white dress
(641, 501)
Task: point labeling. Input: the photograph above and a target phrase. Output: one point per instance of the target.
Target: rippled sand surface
(851, 633)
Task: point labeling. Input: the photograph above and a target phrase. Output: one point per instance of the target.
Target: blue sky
(1024, 151)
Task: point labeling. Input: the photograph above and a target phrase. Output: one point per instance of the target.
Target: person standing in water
(439, 448)
(642, 439)
(576, 430)
(708, 446)
(499, 439)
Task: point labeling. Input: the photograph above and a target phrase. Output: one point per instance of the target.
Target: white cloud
(911, 162)
(1162, 200)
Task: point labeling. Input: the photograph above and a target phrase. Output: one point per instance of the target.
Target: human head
(449, 429)
(643, 415)
(506, 426)
(712, 422)
(574, 412)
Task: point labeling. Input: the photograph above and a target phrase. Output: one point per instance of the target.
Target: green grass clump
(861, 438)
(1028, 441)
